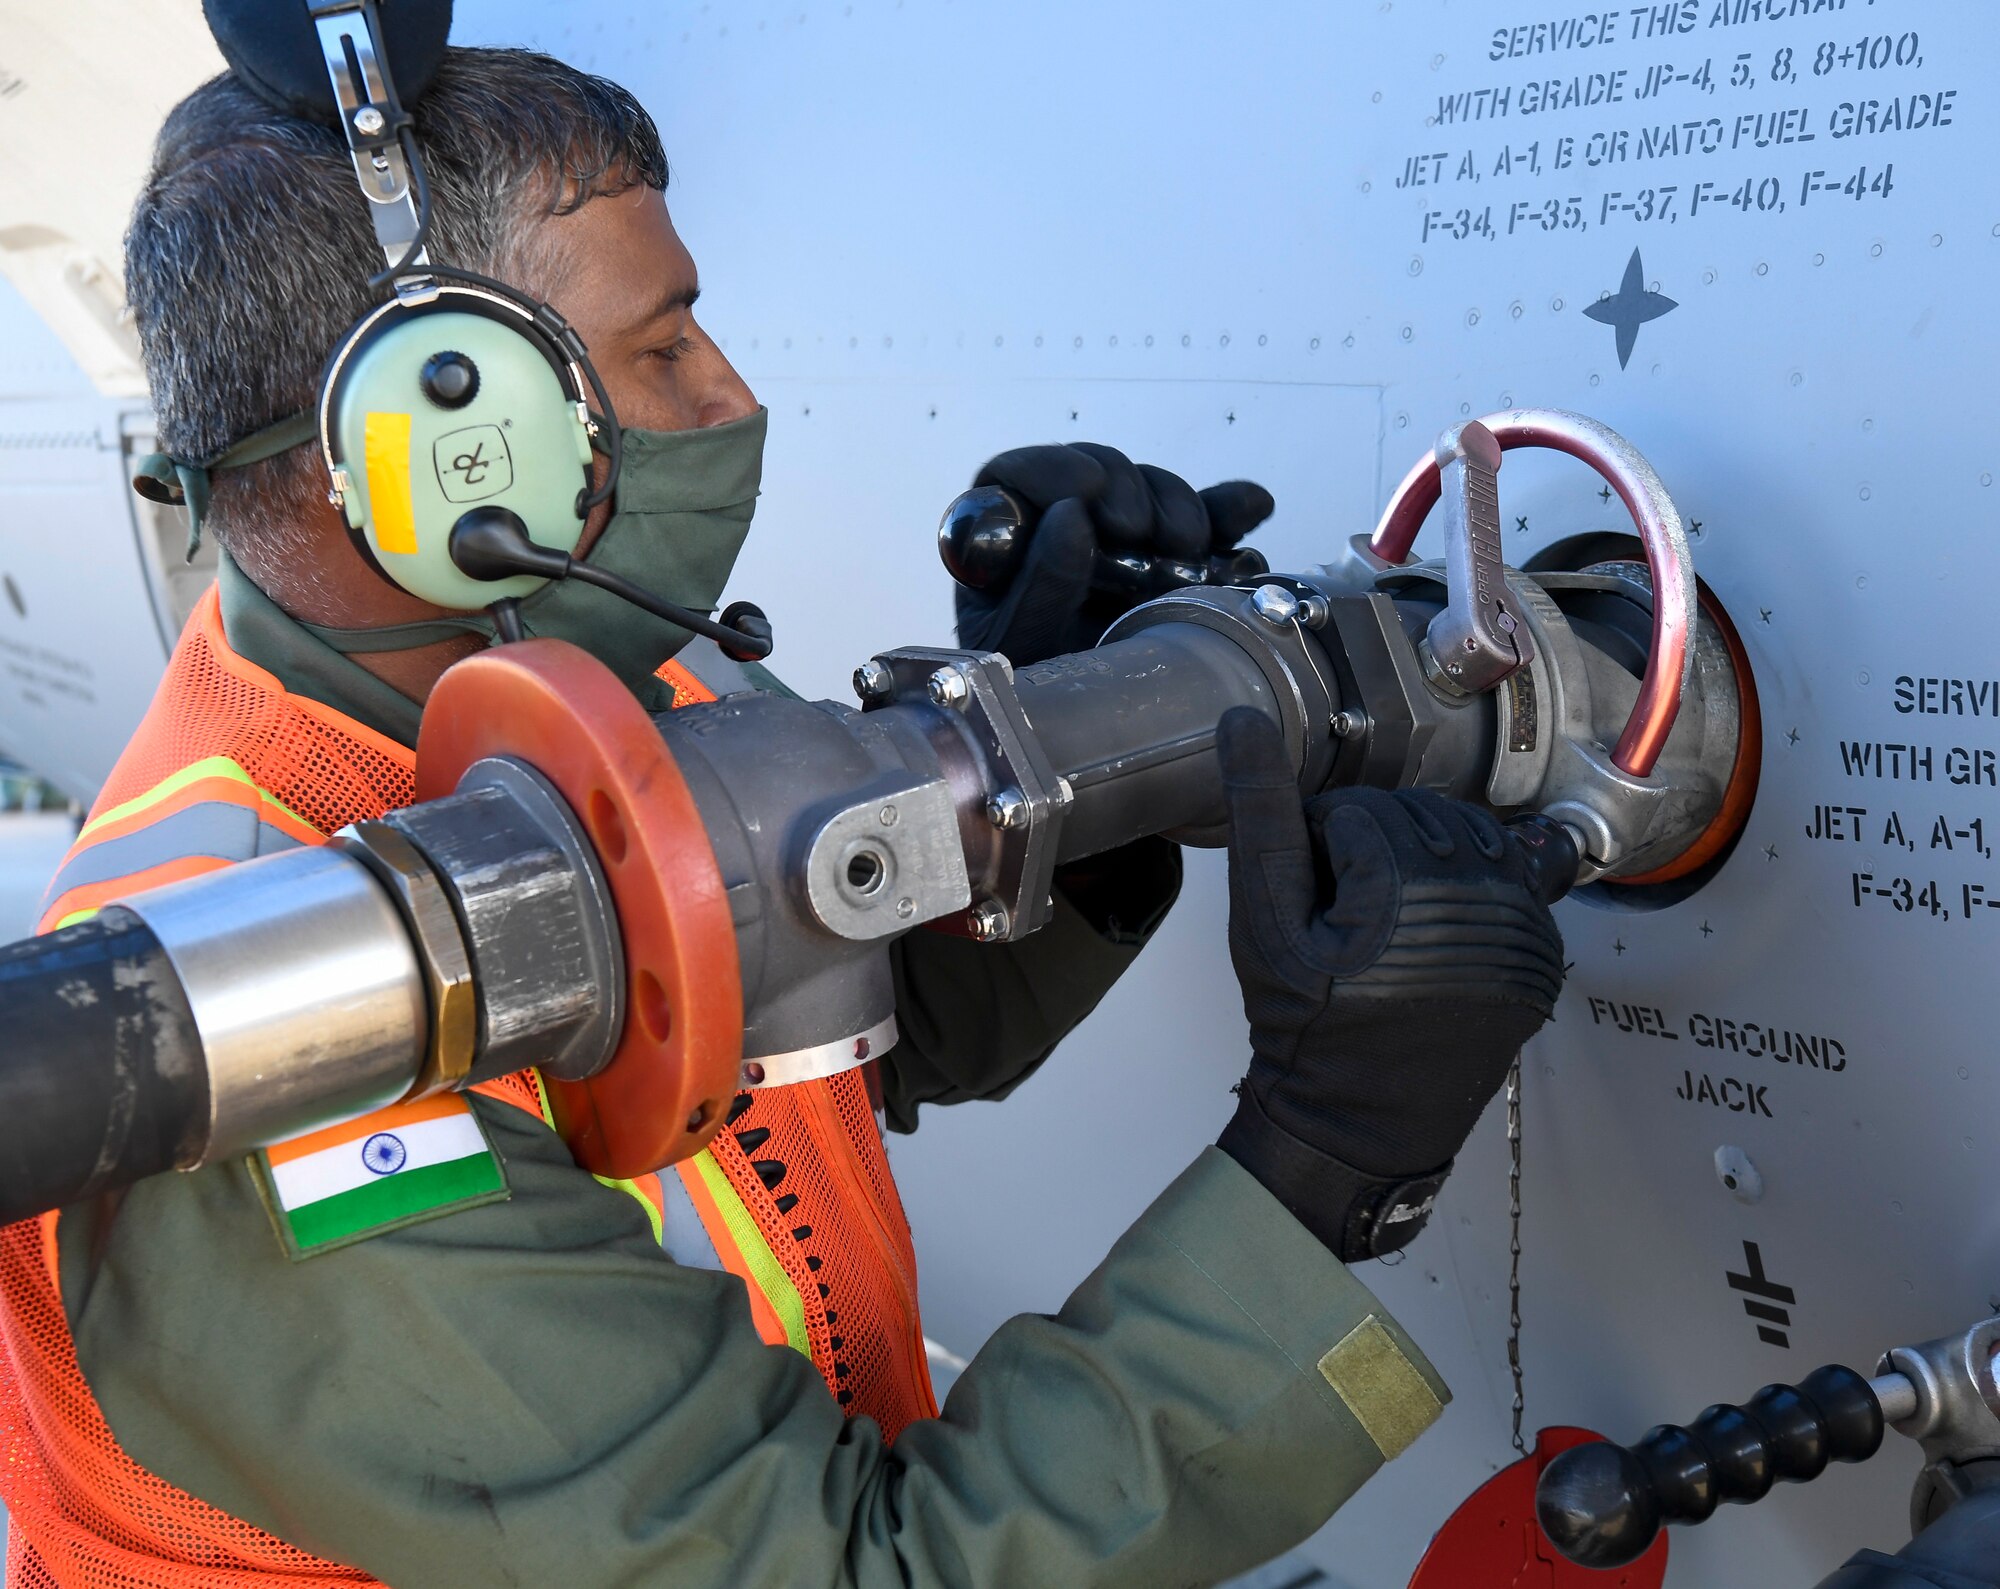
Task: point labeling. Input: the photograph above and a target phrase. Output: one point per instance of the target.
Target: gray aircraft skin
(93, 586)
(1293, 241)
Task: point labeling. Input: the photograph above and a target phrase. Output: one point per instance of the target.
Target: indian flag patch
(396, 1167)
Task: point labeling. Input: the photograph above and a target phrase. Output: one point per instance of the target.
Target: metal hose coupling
(445, 944)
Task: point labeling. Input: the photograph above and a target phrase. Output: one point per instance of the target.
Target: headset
(460, 420)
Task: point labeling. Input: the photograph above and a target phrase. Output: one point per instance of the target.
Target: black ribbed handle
(1602, 1505)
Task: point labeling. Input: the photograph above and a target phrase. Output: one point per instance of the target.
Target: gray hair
(250, 248)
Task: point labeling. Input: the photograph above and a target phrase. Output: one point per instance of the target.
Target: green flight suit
(530, 1392)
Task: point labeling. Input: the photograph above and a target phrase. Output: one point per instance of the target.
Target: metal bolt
(1314, 611)
(1064, 793)
(1348, 724)
(888, 816)
(988, 920)
(906, 907)
(1276, 605)
(1740, 1178)
(1007, 809)
(873, 681)
(948, 687)
(368, 121)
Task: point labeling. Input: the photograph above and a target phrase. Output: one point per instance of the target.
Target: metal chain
(1514, 1243)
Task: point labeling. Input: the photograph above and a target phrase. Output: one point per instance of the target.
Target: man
(695, 1379)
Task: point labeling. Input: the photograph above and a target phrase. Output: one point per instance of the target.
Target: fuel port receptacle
(1674, 880)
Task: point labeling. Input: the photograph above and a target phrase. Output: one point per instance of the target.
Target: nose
(725, 395)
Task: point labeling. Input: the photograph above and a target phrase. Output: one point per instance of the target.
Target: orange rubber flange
(1740, 793)
(544, 702)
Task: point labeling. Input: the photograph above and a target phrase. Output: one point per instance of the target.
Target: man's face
(621, 275)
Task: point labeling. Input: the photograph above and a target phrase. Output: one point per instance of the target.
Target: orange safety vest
(226, 765)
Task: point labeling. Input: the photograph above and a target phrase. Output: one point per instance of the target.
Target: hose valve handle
(1554, 852)
(982, 538)
(1602, 1505)
(1670, 663)
(1475, 641)
(983, 541)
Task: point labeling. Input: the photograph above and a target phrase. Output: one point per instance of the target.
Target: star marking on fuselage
(1630, 307)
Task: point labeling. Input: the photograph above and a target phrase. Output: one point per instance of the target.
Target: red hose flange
(667, 1088)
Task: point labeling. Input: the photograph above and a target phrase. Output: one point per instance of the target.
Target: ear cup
(433, 410)
(273, 47)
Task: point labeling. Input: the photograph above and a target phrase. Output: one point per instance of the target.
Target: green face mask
(677, 524)
(678, 521)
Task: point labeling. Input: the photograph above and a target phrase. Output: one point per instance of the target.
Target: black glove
(1081, 498)
(1394, 957)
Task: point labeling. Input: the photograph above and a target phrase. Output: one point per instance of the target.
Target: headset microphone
(460, 421)
(493, 544)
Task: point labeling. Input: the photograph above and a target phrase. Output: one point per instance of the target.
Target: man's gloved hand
(1394, 957)
(1081, 498)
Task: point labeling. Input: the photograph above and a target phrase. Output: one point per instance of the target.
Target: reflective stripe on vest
(775, 1303)
(211, 811)
(701, 1223)
(699, 1220)
(80, 904)
(212, 778)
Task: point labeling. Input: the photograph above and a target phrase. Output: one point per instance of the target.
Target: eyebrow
(676, 300)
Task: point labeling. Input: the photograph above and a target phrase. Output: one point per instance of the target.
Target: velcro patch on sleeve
(399, 1166)
(1391, 1401)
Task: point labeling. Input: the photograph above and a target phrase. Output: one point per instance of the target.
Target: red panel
(1493, 1542)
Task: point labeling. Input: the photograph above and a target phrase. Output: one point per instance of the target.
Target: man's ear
(274, 50)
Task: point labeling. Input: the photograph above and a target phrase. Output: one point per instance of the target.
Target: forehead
(618, 252)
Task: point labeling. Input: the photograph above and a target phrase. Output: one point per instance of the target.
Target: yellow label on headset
(385, 449)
